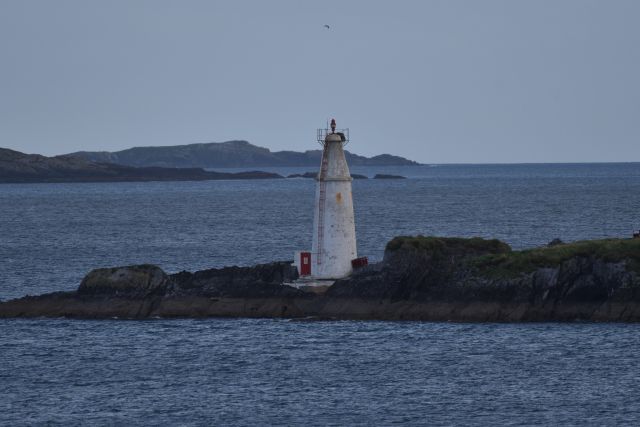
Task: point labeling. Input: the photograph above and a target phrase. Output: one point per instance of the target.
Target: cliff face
(420, 278)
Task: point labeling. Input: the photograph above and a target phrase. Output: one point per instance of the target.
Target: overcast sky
(436, 81)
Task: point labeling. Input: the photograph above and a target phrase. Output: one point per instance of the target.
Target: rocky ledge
(420, 278)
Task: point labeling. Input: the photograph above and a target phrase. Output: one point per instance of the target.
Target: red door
(305, 263)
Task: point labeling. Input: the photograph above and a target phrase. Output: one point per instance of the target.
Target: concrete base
(309, 284)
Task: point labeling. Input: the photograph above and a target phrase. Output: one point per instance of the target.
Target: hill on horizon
(229, 154)
(17, 167)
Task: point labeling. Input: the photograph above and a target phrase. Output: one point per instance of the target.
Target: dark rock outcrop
(483, 280)
(264, 280)
(142, 291)
(131, 281)
(416, 268)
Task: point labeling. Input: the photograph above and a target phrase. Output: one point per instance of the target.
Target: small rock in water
(303, 175)
(555, 242)
(385, 176)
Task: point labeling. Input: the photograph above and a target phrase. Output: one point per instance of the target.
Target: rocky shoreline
(420, 278)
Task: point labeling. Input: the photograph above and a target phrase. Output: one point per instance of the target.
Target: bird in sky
(326, 26)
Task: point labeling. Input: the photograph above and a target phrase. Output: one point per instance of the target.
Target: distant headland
(230, 154)
(174, 163)
(17, 167)
(420, 278)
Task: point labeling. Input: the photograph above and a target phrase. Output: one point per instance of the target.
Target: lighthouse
(334, 232)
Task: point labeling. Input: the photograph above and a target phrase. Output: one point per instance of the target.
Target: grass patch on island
(495, 258)
(518, 262)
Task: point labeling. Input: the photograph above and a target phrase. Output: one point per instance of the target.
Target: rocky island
(420, 278)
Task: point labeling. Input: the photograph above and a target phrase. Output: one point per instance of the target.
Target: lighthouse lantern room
(334, 231)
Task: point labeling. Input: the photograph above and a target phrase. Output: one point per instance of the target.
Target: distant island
(17, 167)
(420, 278)
(230, 154)
(172, 163)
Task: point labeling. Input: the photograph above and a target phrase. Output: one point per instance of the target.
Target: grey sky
(435, 81)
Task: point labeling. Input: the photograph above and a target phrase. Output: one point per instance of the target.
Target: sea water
(253, 372)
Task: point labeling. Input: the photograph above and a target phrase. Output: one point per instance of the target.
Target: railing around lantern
(322, 134)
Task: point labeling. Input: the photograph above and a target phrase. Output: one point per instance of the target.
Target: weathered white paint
(334, 230)
(296, 260)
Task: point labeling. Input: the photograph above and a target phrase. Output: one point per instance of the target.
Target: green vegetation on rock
(514, 263)
(494, 258)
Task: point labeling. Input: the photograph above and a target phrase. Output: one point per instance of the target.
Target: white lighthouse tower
(333, 254)
(334, 230)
